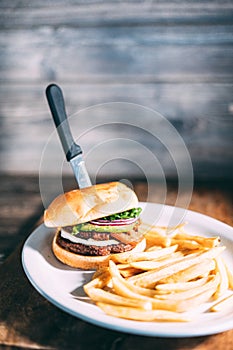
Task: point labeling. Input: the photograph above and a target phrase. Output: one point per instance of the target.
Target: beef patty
(93, 250)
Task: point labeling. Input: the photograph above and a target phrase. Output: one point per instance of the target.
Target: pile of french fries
(176, 273)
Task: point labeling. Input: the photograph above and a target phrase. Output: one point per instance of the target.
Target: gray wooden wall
(175, 57)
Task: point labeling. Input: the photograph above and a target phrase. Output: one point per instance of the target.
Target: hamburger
(95, 224)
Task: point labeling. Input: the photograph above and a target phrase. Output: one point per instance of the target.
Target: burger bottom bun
(90, 262)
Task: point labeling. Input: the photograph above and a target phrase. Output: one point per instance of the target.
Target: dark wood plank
(137, 54)
(20, 207)
(98, 13)
(201, 113)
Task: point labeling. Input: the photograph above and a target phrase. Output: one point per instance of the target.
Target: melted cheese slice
(89, 241)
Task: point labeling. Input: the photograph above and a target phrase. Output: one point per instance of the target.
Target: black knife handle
(57, 106)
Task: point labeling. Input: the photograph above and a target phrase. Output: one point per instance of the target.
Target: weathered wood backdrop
(171, 56)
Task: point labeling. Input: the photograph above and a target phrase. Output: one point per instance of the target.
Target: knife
(72, 151)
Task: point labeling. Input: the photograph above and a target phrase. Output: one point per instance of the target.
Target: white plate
(62, 285)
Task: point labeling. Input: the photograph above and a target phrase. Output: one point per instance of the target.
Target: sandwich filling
(112, 234)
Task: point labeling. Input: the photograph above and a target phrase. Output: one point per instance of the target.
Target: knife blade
(73, 152)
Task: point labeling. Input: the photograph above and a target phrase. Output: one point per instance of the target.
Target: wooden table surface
(28, 320)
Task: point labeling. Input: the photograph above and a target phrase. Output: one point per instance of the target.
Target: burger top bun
(90, 203)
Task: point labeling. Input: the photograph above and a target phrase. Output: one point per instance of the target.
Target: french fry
(131, 291)
(100, 281)
(100, 271)
(159, 236)
(212, 282)
(122, 289)
(197, 300)
(123, 266)
(229, 275)
(156, 254)
(223, 304)
(136, 289)
(129, 272)
(139, 290)
(128, 290)
(198, 270)
(114, 270)
(155, 240)
(150, 278)
(100, 295)
(209, 242)
(155, 264)
(223, 284)
(186, 244)
(123, 257)
(181, 286)
(141, 315)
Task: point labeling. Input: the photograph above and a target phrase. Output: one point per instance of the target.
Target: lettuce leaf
(132, 213)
